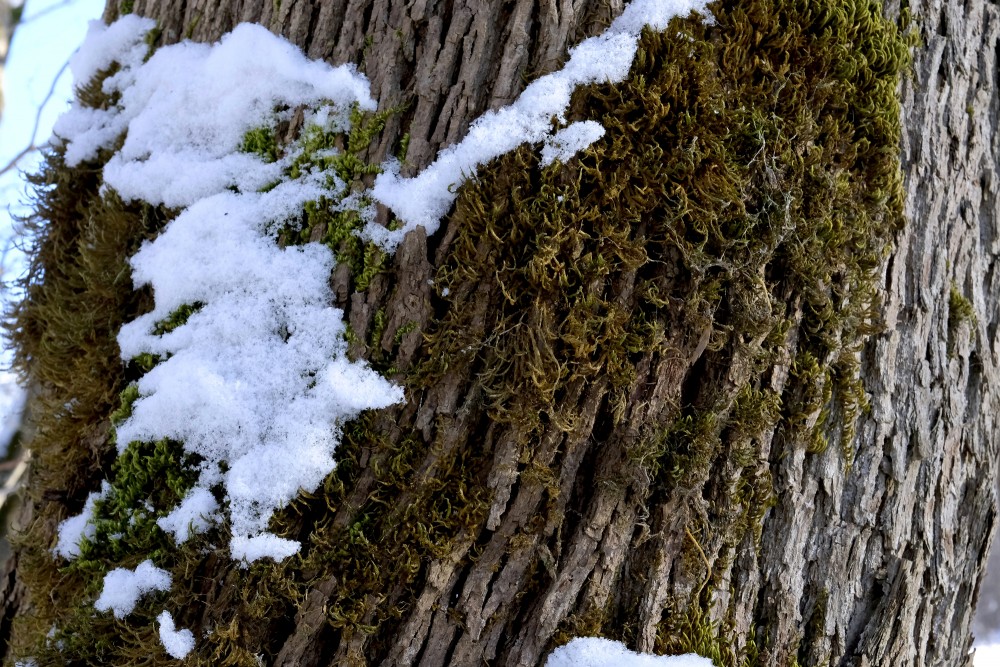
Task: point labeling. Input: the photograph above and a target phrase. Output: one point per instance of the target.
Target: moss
(146, 361)
(127, 399)
(342, 155)
(739, 197)
(961, 312)
(261, 142)
(402, 331)
(192, 26)
(78, 292)
(691, 631)
(148, 480)
(177, 318)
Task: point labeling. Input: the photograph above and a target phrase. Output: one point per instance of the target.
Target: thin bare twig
(17, 158)
(32, 145)
(48, 10)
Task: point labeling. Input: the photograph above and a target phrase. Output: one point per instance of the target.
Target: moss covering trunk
(724, 382)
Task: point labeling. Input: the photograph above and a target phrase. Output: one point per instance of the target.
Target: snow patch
(178, 643)
(86, 130)
(76, 529)
(124, 587)
(259, 372)
(250, 549)
(194, 515)
(187, 109)
(122, 42)
(570, 140)
(600, 652)
(986, 655)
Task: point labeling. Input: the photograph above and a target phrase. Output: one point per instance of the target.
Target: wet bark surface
(875, 563)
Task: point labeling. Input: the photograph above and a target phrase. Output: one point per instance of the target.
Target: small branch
(45, 12)
(17, 158)
(32, 145)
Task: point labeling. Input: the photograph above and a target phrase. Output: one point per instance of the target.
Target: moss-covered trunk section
(724, 382)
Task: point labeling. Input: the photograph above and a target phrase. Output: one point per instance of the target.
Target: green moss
(960, 312)
(693, 632)
(147, 481)
(261, 142)
(177, 318)
(146, 361)
(378, 328)
(402, 331)
(342, 155)
(127, 398)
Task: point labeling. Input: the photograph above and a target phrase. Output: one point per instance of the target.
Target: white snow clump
(600, 652)
(81, 527)
(194, 515)
(178, 643)
(124, 587)
(570, 140)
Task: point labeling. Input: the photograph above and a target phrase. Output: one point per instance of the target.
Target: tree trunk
(633, 446)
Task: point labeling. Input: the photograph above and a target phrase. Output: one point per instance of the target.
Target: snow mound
(600, 652)
(177, 643)
(124, 587)
(256, 382)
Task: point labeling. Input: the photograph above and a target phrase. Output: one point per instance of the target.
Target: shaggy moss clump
(745, 194)
(77, 295)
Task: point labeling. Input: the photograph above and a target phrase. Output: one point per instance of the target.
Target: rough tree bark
(872, 563)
